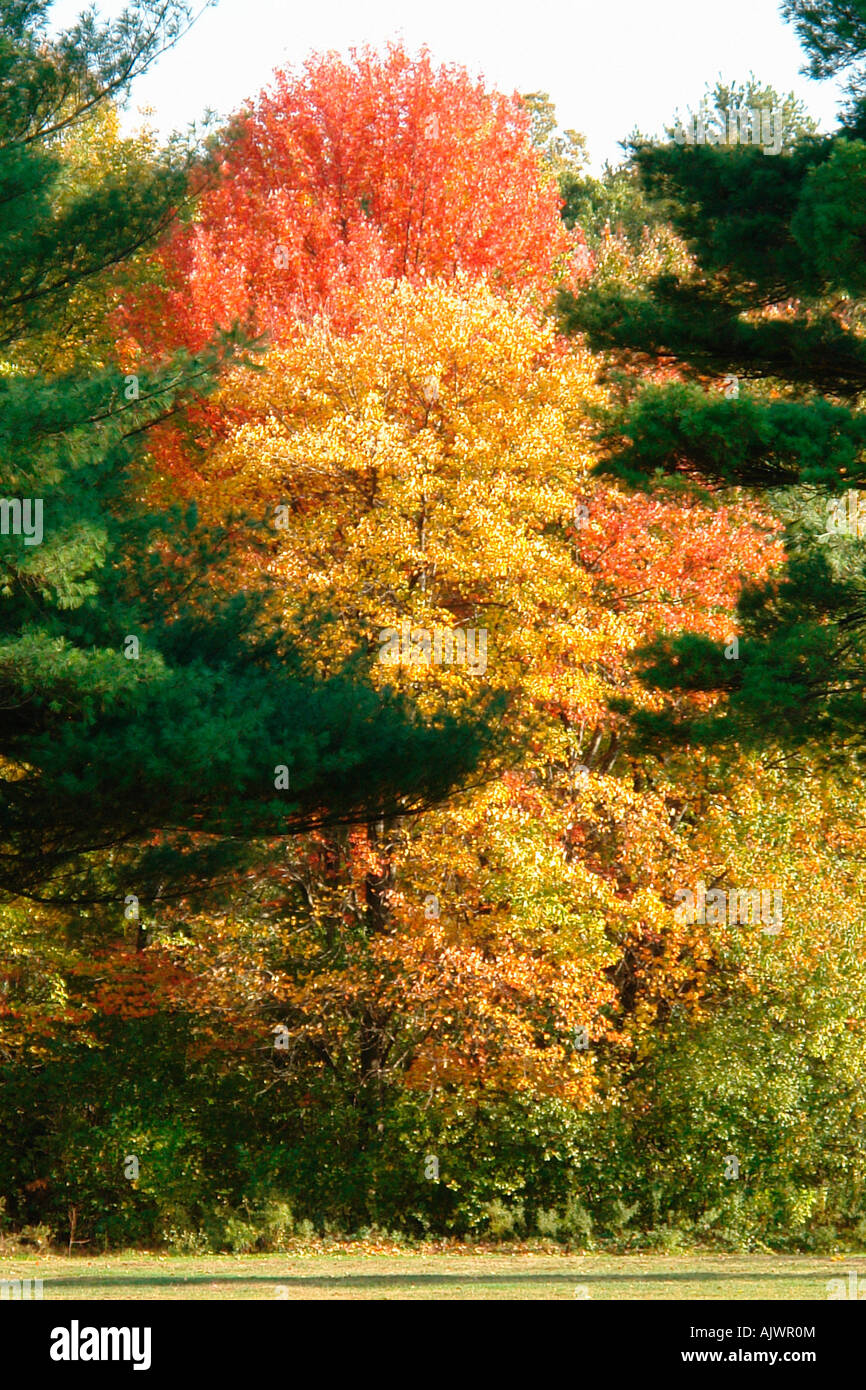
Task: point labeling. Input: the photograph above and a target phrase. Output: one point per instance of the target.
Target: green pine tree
(768, 330)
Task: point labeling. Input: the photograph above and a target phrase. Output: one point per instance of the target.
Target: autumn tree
(470, 947)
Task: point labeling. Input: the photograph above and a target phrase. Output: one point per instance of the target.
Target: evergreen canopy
(767, 332)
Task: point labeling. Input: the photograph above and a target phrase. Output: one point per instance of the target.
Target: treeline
(446, 566)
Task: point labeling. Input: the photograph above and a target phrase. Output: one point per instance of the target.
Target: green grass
(419, 1275)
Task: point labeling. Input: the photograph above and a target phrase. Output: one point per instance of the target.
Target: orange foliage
(347, 171)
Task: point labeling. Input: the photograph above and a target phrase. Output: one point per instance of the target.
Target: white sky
(608, 66)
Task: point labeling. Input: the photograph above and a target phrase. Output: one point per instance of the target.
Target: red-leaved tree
(381, 165)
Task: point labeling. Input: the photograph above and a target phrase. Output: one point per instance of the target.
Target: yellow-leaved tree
(426, 480)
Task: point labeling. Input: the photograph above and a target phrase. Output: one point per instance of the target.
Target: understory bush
(227, 1163)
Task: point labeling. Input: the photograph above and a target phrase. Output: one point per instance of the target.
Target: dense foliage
(395, 656)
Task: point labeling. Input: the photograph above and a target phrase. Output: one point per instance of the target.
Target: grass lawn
(421, 1275)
